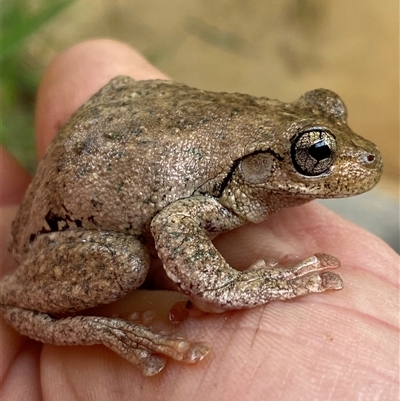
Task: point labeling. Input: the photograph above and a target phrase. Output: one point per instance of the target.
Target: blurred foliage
(20, 73)
(215, 36)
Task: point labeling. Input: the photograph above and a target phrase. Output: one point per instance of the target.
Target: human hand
(336, 345)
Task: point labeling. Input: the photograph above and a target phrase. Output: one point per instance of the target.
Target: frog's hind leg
(136, 343)
(73, 270)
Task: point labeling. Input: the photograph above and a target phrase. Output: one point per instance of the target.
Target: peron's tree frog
(158, 166)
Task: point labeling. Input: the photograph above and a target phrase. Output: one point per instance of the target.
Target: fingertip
(76, 74)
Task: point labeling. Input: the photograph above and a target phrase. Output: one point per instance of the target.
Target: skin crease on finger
(286, 335)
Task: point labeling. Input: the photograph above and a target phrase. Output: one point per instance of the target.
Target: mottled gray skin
(159, 163)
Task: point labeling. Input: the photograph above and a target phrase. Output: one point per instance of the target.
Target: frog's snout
(367, 155)
(370, 162)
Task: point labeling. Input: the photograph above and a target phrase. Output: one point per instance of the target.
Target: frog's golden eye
(313, 152)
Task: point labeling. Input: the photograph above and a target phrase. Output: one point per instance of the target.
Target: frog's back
(128, 152)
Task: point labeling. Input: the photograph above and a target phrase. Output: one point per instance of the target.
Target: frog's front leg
(195, 265)
(69, 271)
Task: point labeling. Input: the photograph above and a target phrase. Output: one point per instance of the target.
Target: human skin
(336, 345)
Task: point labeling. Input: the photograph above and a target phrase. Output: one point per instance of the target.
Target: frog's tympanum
(158, 166)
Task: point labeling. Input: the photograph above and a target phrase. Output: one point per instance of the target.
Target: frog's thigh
(74, 270)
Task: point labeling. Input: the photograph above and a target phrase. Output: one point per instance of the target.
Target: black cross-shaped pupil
(319, 150)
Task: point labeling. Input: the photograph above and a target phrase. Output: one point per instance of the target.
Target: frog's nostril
(368, 158)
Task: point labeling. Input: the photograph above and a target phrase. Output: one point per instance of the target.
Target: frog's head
(311, 153)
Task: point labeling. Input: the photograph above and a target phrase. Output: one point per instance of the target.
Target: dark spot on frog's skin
(57, 223)
(209, 227)
(84, 170)
(212, 253)
(96, 204)
(120, 186)
(111, 135)
(78, 223)
(129, 227)
(60, 166)
(90, 145)
(118, 154)
(148, 201)
(85, 286)
(176, 234)
(261, 130)
(67, 211)
(198, 256)
(136, 131)
(95, 119)
(196, 153)
(92, 220)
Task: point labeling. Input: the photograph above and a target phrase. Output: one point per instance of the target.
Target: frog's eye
(313, 152)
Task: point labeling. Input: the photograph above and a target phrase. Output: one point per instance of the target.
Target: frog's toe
(196, 352)
(148, 363)
(315, 263)
(331, 281)
(314, 283)
(153, 365)
(327, 261)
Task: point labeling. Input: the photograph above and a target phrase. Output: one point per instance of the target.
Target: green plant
(20, 72)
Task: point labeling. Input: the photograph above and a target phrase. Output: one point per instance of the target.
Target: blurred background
(279, 49)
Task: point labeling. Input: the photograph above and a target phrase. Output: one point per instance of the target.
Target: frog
(156, 168)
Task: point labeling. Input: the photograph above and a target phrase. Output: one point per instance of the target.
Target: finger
(76, 74)
(14, 179)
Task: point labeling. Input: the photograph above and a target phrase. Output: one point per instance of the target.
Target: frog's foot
(262, 283)
(134, 342)
(307, 276)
